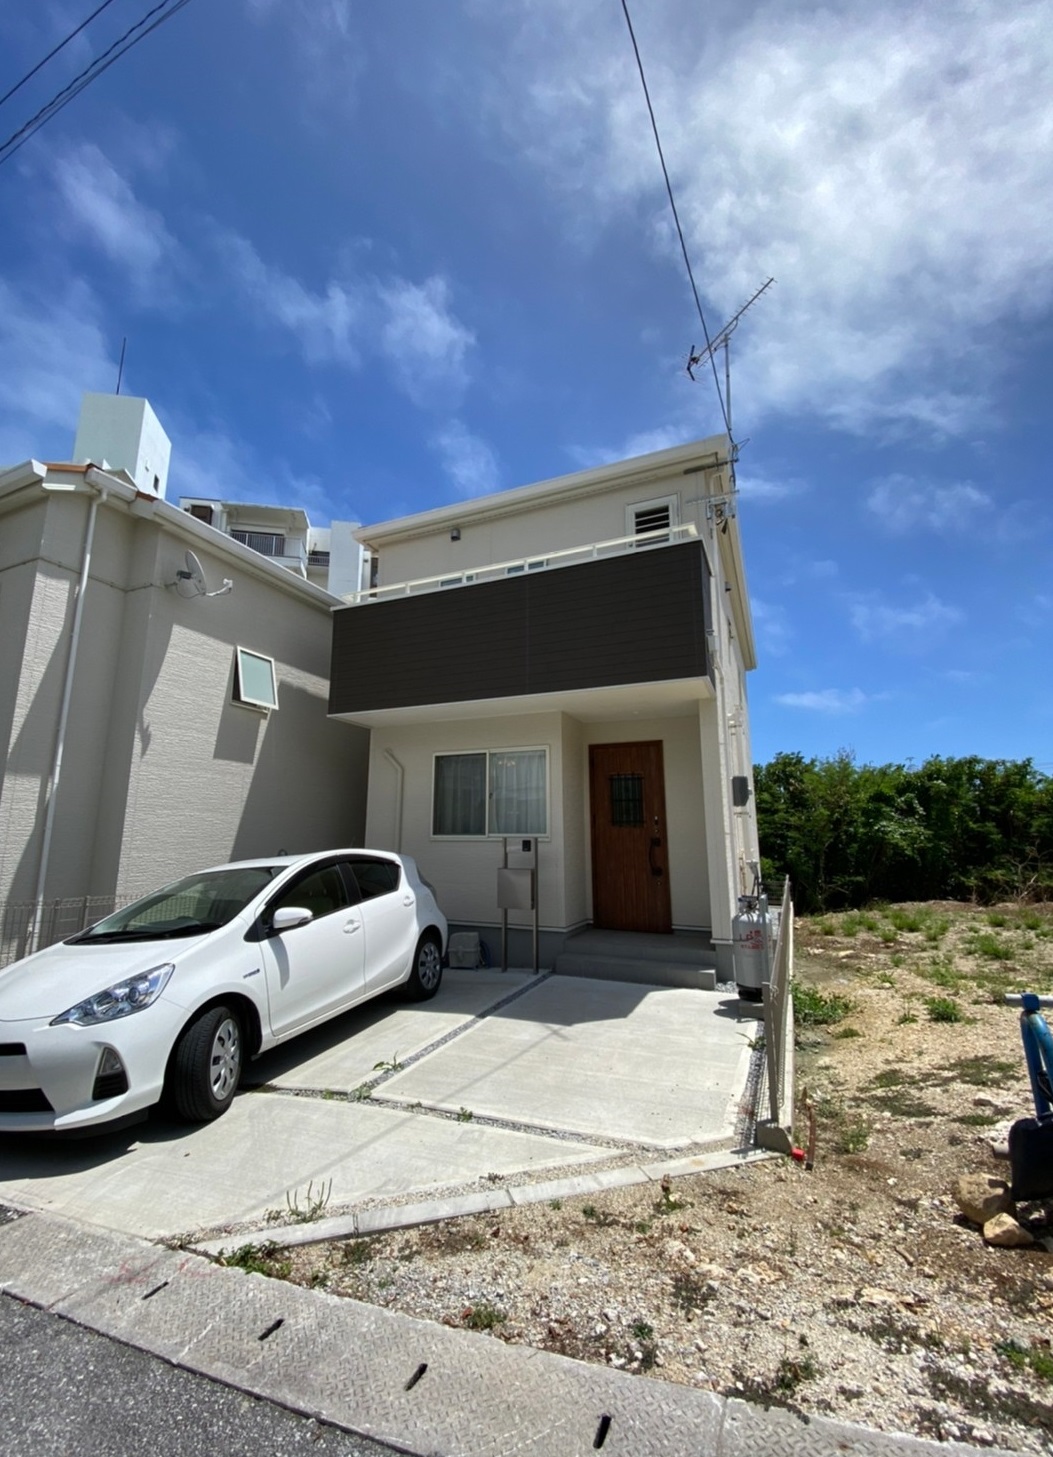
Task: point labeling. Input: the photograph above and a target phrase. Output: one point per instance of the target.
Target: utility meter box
(515, 889)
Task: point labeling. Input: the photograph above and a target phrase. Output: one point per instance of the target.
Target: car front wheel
(426, 974)
(206, 1066)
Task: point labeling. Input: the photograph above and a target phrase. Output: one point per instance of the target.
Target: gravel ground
(853, 1290)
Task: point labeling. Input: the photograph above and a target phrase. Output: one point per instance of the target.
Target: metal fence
(58, 919)
(778, 1033)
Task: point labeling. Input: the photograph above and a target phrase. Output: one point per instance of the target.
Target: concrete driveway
(502, 1075)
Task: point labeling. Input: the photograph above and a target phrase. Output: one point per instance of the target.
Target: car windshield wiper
(147, 933)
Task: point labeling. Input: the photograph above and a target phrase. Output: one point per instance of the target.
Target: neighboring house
(330, 557)
(148, 729)
(564, 661)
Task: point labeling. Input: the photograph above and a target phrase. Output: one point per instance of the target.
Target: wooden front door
(630, 860)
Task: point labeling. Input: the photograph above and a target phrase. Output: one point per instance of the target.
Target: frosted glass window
(255, 681)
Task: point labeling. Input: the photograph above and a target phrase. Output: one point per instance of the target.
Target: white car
(169, 997)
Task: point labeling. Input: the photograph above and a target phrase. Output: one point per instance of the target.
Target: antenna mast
(723, 338)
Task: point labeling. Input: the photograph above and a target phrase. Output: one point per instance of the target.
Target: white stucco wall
(534, 527)
(464, 872)
(161, 772)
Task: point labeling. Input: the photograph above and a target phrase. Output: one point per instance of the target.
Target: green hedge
(949, 829)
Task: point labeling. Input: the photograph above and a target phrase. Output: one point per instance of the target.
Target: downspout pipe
(99, 481)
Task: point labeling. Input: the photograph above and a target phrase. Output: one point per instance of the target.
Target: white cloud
(902, 504)
(53, 349)
(773, 631)
(889, 166)
(99, 205)
(423, 341)
(826, 700)
(468, 460)
(324, 323)
(323, 43)
(760, 488)
(918, 625)
(411, 326)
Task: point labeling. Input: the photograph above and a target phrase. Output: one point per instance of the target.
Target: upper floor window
(199, 513)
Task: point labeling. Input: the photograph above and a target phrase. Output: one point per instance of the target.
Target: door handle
(407, 900)
(351, 926)
(652, 847)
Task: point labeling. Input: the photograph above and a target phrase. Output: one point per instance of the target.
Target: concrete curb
(358, 1223)
(423, 1388)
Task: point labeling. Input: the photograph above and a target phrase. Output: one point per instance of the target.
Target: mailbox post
(517, 888)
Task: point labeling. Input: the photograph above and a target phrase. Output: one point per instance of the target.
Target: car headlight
(120, 1000)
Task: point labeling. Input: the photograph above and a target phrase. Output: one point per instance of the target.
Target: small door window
(627, 799)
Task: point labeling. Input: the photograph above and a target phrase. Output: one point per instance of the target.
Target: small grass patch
(853, 1136)
(262, 1259)
(1036, 1359)
(902, 920)
(982, 943)
(996, 918)
(906, 1019)
(889, 935)
(844, 1032)
(813, 1008)
(977, 1120)
(943, 1009)
(792, 1371)
(483, 1317)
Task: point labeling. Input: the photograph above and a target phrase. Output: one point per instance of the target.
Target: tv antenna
(192, 582)
(722, 339)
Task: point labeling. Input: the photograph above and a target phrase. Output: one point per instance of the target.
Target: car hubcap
(429, 965)
(226, 1059)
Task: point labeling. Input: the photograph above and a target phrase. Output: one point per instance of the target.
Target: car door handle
(407, 900)
(351, 926)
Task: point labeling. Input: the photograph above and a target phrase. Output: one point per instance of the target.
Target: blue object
(1038, 1051)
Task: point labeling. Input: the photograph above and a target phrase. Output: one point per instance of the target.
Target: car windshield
(191, 907)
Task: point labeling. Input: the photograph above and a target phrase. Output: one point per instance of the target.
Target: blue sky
(372, 259)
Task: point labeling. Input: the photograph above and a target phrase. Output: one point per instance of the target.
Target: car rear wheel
(426, 975)
(206, 1066)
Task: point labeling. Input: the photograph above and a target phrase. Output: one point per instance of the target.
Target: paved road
(64, 1389)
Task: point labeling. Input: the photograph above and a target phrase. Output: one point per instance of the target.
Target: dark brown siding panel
(637, 618)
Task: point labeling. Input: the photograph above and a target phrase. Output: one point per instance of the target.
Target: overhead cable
(161, 12)
(61, 45)
(676, 219)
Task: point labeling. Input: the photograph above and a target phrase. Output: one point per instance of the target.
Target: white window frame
(489, 833)
(245, 700)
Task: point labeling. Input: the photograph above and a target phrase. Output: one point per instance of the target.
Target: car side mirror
(288, 917)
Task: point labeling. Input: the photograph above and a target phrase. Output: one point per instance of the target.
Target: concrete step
(624, 968)
(685, 960)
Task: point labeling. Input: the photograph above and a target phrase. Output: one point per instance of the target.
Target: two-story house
(564, 661)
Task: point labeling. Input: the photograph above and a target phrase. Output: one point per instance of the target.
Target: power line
(62, 43)
(679, 230)
(91, 73)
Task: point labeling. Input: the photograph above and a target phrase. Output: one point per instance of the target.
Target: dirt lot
(855, 1289)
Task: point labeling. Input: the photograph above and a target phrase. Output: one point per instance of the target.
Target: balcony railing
(492, 571)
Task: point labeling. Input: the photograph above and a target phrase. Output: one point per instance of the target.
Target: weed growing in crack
(262, 1259)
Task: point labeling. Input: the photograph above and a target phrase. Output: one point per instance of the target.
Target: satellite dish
(192, 582)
